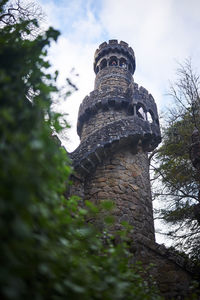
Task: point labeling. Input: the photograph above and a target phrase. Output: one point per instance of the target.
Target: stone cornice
(129, 131)
(117, 99)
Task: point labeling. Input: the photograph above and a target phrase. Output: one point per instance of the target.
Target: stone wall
(173, 274)
(113, 76)
(102, 118)
(124, 179)
(118, 125)
(77, 187)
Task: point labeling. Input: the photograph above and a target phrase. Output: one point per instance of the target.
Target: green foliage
(175, 165)
(180, 180)
(48, 250)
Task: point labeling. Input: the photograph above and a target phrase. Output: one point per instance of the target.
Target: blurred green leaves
(48, 249)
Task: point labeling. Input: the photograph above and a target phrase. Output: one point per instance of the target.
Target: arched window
(97, 69)
(123, 63)
(140, 112)
(150, 117)
(113, 61)
(103, 64)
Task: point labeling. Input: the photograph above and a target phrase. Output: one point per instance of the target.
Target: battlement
(134, 100)
(112, 44)
(117, 50)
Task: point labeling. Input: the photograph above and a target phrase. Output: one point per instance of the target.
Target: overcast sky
(161, 32)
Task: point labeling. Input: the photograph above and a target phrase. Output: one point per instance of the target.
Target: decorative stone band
(131, 100)
(113, 46)
(130, 131)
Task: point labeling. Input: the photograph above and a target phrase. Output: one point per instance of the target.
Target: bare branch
(16, 10)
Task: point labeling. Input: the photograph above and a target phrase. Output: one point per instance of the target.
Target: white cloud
(75, 49)
(160, 32)
(87, 29)
(64, 57)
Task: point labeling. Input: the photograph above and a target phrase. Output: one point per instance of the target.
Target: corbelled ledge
(117, 99)
(129, 131)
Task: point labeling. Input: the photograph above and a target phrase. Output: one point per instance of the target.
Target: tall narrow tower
(118, 125)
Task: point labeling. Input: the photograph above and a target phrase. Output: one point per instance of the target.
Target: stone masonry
(118, 125)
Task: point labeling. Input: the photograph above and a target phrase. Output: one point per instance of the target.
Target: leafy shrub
(47, 250)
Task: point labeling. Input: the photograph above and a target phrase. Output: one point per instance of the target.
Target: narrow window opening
(113, 61)
(141, 113)
(150, 117)
(123, 63)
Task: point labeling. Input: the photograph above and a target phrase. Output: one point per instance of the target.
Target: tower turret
(118, 124)
(114, 64)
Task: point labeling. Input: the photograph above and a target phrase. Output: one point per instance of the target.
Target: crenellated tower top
(114, 52)
(117, 112)
(114, 65)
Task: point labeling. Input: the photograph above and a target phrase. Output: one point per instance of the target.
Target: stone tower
(118, 125)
